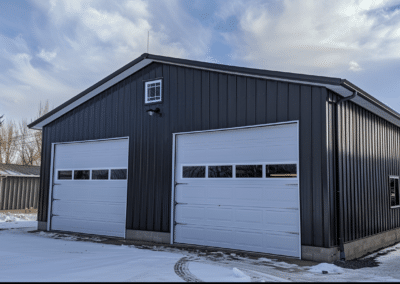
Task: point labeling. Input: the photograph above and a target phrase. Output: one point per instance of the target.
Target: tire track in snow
(182, 270)
(257, 274)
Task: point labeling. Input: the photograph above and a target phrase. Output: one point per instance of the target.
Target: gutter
(353, 88)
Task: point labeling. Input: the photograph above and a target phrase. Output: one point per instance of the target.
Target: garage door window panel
(249, 171)
(281, 171)
(100, 174)
(194, 172)
(219, 171)
(64, 175)
(118, 174)
(82, 175)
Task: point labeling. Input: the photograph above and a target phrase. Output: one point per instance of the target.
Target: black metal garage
(344, 178)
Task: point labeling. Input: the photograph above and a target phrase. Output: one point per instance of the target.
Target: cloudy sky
(54, 49)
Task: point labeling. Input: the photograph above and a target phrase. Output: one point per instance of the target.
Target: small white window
(153, 91)
(394, 191)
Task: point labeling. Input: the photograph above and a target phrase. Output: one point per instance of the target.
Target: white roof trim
(339, 89)
(336, 88)
(95, 92)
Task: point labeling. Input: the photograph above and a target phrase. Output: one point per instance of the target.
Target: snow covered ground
(17, 220)
(26, 255)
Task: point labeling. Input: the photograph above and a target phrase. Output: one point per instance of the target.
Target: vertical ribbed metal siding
(368, 154)
(18, 192)
(196, 100)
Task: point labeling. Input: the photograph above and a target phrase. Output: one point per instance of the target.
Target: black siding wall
(368, 153)
(196, 100)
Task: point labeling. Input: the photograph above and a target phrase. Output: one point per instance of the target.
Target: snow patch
(45, 234)
(38, 258)
(265, 259)
(238, 273)
(330, 268)
(284, 264)
(13, 221)
(9, 217)
(212, 273)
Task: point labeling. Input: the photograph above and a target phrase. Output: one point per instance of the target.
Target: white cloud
(354, 66)
(47, 55)
(79, 42)
(311, 35)
(99, 34)
(23, 86)
(12, 45)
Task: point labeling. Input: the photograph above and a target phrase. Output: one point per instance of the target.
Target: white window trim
(146, 101)
(398, 190)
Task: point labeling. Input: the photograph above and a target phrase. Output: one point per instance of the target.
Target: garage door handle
(54, 199)
(179, 183)
(176, 203)
(56, 184)
(54, 215)
(292, 184)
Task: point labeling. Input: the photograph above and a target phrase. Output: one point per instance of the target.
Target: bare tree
(43, 109)
(1, 121)
(29, 141)
(26, 145)
(8, 145)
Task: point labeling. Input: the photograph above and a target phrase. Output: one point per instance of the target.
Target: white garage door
(239, 189)
(90, 187)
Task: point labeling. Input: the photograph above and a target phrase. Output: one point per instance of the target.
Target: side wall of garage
(369, 152)
(196, 100)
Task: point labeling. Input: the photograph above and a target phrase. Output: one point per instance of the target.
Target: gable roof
(337, 85)
(19, 170)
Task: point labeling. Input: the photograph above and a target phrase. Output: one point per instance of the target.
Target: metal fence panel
(18, 192)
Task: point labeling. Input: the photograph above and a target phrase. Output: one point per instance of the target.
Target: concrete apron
(154, 243)
(353, 250)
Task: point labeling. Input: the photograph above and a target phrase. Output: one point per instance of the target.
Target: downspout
(339, 193)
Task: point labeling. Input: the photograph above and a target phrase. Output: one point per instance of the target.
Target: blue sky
(54, 49)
